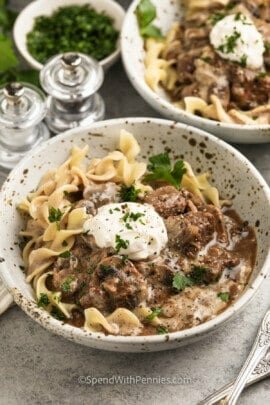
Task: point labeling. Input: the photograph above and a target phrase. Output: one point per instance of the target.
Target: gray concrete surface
(37, 367)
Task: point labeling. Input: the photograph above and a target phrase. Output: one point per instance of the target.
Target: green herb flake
(206, 59)
(180, 282)
(129, 194)
(198, 274)
(215, 18)
(161, 169)
(243, 61)
(65, 286)
(107, 270)
(231, 43)
(55, 214)
(261, 75)
(120, 243)
(43, 300)
(155, 313)
(267, 47)
(65, 255)
(224, 296)
(162, 330)
(57, 314)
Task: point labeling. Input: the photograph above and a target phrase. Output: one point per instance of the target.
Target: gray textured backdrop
(37, 367)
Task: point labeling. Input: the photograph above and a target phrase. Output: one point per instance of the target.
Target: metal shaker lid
(71, 77)
(21, 106)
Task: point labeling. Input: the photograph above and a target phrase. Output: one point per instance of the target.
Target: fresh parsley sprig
(146, 14)
(161, 169)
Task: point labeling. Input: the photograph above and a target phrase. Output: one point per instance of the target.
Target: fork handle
(261, 372)
(258, 352)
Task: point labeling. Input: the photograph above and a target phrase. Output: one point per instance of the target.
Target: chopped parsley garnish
(241, 17)
(196, 276)
(231, 43)
(65, 286)
(129, 194)
(206, 59)
(224, 296)
(161, 330)
(267, 46)
(90, 271)
(76, 28)
(107, 270)
(180, 282)
(57, 314)
(120, 243)
(243, 61)
(55, 214)
(65, 255)
(155, 312)
(131, 216)
(43, 300)
(160, 168)
(215, 18)
(124, 259)
(261, 75)
(146, 14)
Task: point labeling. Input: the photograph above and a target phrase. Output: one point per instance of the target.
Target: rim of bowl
(30, 307)
(23, 15)
(144, 90)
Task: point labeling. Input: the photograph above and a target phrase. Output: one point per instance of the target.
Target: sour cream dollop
(236, 38)
(134, 230)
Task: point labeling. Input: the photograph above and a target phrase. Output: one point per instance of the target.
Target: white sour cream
(134, 230)
(236, 38)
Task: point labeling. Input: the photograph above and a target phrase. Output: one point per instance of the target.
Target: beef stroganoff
(123, 248)
(215, 62)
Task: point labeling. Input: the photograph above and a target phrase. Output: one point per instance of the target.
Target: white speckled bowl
(232, 173)
(25, 21)
(132, 48)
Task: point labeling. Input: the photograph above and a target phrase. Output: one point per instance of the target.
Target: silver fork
(256, 367)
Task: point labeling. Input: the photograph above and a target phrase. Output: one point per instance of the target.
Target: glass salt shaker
(72, 81)
(22, 109)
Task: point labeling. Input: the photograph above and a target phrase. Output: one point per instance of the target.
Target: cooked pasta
(219, 82)
(103, 251)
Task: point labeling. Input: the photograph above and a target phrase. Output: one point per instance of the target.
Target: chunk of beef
(216, 260)
(168, 201)
(220, 226)
(191, 232)
(72, 274)
(115, 283)
(248, 89)
(212, 79)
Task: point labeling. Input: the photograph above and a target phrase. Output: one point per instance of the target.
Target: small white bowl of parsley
(47, 28)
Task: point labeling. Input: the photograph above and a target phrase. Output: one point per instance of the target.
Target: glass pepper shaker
(22, 109)
(72, 81)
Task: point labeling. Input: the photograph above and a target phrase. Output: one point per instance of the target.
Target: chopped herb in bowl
(73, 28)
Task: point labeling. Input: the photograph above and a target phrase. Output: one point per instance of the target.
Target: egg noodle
(47, 240)
(161, 70)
